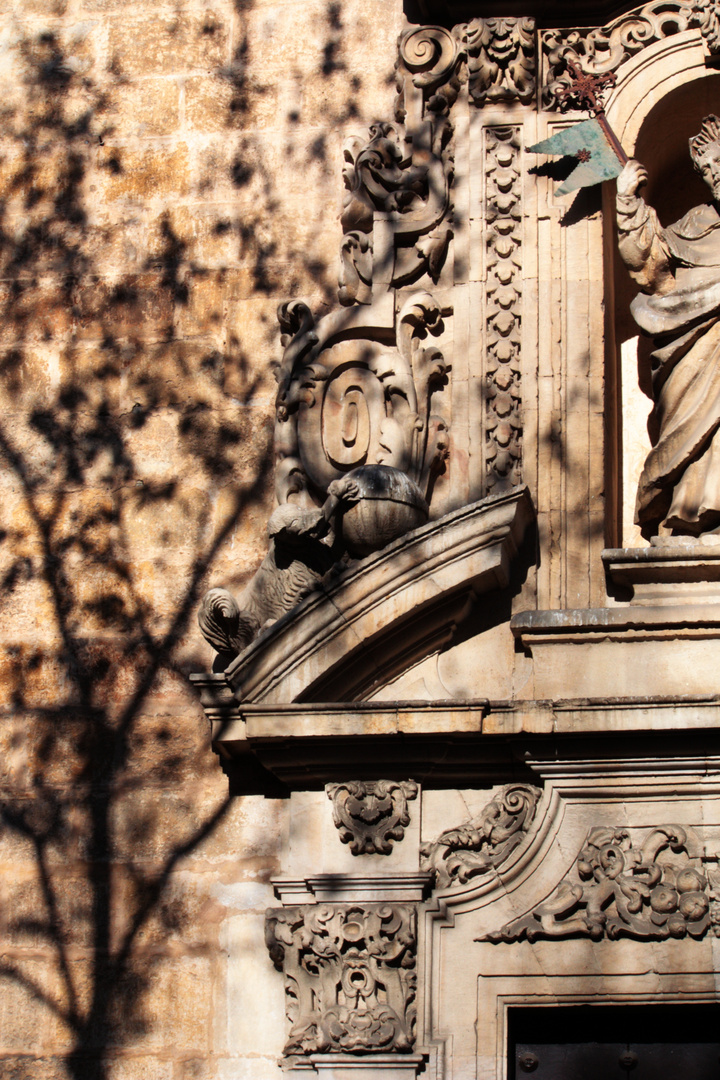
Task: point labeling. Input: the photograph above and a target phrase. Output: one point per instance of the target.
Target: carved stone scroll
(652, 891)
(604, 49)
(501, 60)
(369, 815)
(405, 177)
(480, 845)
(503, 430)
(350, 978)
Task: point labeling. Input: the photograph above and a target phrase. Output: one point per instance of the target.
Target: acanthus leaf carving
(480, 845)
(648, 891)
(501, 60)
(706, 16)
(370, 815)
(350, 979)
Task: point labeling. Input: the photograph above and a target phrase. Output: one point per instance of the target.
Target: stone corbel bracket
(364, 624)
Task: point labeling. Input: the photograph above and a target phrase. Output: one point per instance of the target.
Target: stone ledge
(352, 888)
(653, 574)
(299, 747)
(622, 622)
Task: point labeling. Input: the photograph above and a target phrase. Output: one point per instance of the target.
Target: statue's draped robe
(679, 267)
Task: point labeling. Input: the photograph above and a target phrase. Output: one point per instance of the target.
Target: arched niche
(661, 99)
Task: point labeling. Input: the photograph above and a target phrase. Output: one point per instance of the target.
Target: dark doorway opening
(614, 1042)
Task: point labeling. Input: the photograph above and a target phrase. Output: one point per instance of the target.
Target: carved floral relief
(482, 844)
(650, 890)
(350, 979)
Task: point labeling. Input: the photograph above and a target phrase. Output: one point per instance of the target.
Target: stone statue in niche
(678, 271)
(357, 449)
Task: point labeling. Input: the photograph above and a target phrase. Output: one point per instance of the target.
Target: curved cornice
(365, 624)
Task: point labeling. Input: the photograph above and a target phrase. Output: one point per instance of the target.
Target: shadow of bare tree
(130, 453)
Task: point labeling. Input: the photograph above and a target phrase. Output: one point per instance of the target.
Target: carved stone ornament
(350, 978)
(369, 815)
(358, 445)
(503, 293)
(482, 844)
(501, 60)
(604, 49)
(652, 891)
(403, 179)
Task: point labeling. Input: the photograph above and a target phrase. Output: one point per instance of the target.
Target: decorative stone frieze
(605, 48)
(503, 299)
(653, 890)
(482, 844)
(369, 815)
(501, 60)
(350, 978)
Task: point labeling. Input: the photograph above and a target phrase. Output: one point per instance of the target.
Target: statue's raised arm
(641, 239)
(678, 271)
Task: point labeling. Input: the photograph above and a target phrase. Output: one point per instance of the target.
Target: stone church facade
(360, 546)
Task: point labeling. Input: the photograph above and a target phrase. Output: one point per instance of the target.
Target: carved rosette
(481, 845)
(652, 891)
(369, 815)
(501, 60)
(350, 979)
(503, 298)
(605, 48)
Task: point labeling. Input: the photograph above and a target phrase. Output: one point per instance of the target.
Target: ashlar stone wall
(169, 172)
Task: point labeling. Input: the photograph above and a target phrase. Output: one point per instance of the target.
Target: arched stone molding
(381, 615)
(649, 76)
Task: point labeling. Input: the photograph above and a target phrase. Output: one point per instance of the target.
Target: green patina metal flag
(594, 145)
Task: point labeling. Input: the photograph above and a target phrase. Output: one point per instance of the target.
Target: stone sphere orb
(390, 505)
(690, 880)
(663, 899)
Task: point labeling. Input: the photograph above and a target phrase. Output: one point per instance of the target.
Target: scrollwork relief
(370, 815)
(482, 844)
(503, 430)
(651, 890)
(405, 177)
(350, 979)
(605, 48)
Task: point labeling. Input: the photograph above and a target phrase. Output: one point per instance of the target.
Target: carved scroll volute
(480, 845)
(427, 59)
